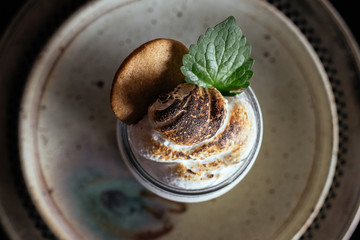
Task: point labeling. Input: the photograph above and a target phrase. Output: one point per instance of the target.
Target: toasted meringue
(194, 136)
(188, 115)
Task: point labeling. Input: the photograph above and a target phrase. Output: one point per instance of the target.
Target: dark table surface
(348, 13)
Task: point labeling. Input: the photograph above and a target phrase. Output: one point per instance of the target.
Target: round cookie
(149, 71)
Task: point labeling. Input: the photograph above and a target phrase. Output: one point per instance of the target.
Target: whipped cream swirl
(194, 137)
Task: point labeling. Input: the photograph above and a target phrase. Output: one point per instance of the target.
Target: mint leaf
(220, 59)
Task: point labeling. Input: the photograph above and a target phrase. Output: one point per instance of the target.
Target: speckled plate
(68, 149)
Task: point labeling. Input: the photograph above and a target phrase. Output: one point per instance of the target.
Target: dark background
(348, 11)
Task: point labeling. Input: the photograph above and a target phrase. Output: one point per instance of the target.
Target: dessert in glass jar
(189, 127)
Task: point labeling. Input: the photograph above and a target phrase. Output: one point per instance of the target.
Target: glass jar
(142, 169)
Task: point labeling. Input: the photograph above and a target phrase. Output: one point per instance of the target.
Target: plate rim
(89, 7)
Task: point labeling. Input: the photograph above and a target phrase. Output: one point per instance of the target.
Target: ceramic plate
(68, 149)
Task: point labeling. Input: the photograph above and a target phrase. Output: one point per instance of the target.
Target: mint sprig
(220, 59)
